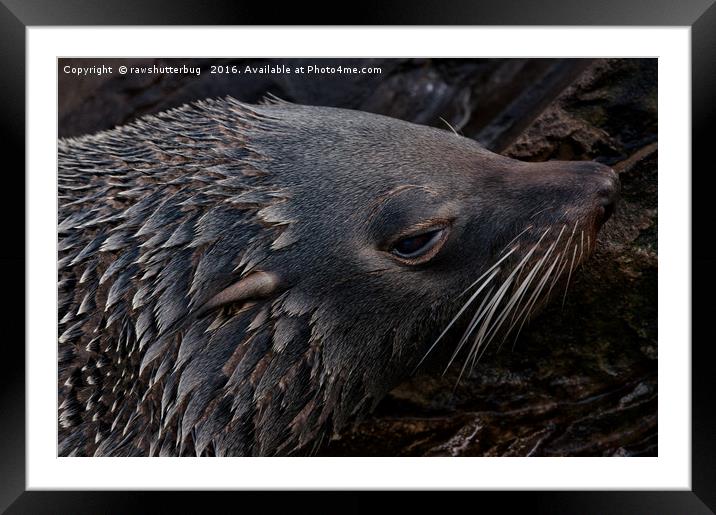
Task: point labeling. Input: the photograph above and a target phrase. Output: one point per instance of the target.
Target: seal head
(247, 280)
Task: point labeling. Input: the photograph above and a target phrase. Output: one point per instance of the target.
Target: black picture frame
(17, 15)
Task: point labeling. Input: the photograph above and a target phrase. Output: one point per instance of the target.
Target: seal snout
(600, 183)
(608, 192)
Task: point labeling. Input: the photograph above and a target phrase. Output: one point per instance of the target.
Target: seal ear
(254, 286)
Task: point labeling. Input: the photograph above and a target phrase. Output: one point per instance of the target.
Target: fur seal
(248, 279)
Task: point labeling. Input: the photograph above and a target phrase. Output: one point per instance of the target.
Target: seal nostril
(609, 195)
(608, 210)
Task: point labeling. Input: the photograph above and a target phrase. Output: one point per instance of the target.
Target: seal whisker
(456, 317)
(487, 272)
(541, 210)
(524, 285)
(490, 309)
(514, 303)
(563, 263)
(565, 257)
(569, 275)
(471, 327)
(540, 287)
(451, 127)
(517, 312)
(522, 289)
(562, 258)
(494, 303)
(533, 300)
(483, 310)
(515, 238)
(520, 267)
(480, 311)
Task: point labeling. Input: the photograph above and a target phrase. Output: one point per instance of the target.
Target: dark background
(581, 380)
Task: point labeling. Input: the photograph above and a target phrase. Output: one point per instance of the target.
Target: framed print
(356, 258)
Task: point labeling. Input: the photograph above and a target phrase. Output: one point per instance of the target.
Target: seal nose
(608, 192)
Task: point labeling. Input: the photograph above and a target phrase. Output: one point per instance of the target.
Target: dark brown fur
(159, 217)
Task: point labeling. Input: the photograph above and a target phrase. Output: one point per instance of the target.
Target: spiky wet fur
(158, 216)
(155, 218)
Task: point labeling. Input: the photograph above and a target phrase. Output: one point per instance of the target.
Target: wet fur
(159, 216)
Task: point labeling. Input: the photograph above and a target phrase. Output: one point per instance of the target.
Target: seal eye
(419, 247)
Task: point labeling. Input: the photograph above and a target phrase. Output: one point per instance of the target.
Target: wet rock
(607, 114)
